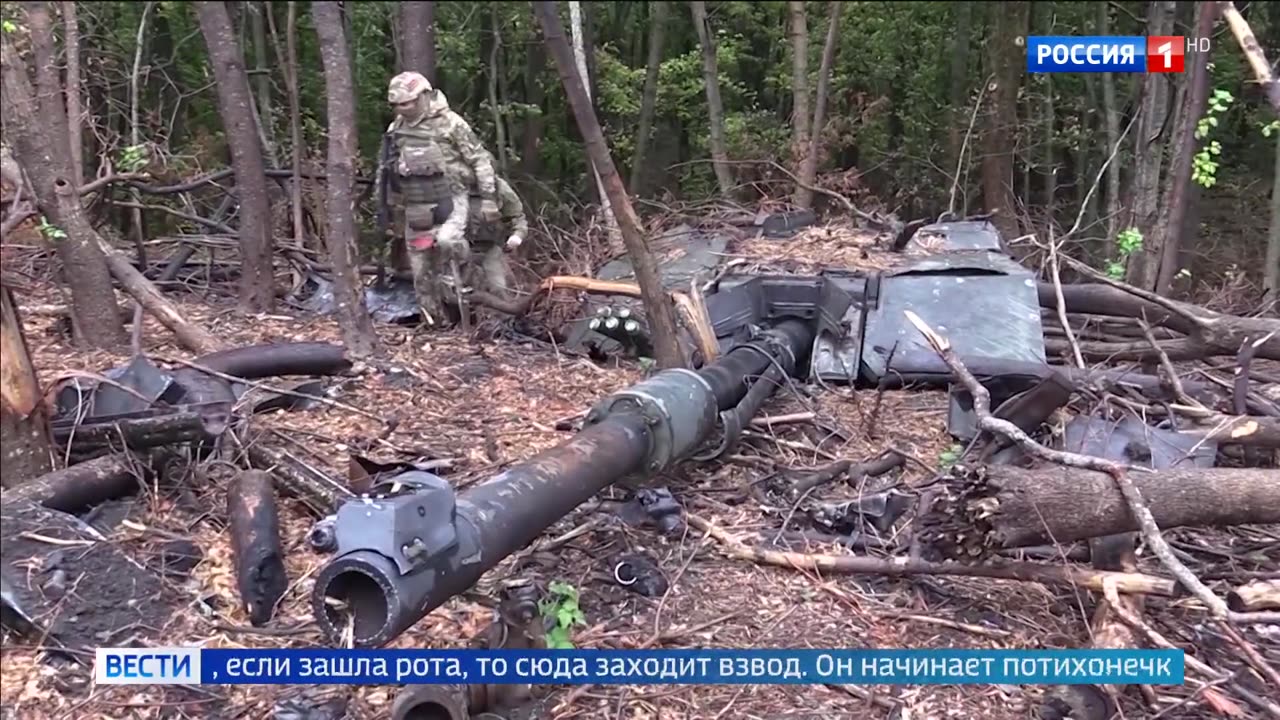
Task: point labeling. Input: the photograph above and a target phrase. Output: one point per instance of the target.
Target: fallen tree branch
(134, 433)
(1150, 531)
(79, 486)
(856, 564)
(983, 509)
(254, 525)
(1252, 52)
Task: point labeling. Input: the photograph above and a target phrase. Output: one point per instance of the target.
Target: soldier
(486, 237)
(436, 158)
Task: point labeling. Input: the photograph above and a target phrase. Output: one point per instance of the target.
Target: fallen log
(982, 509)
(134, 433)
(255, 545)
(80, 486)
(859, 564)
(1257, 595)
(1250, 430)
(318, 492)
(273, 359)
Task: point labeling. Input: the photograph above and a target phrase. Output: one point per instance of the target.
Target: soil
(500, 398)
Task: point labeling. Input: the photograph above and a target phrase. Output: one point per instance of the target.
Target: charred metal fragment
(432, 702)
(255, 544)
(274, 359)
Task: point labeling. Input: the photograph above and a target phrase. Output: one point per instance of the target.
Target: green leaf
(8, 26)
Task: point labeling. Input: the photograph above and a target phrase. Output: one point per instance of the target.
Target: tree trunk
(75, 109)
(997, 163)
(24, 420)
(1167, 238)
(418, 31)
(959, 87)
(661, 317)
(580, 61)
(1111, 116)
(649, 99)
(236, 106)
(495, 77)
(262, 76)
(357, 327)
(1149, 155)
(290, 71)
(809, 168)
(1001, 506)
(1272, 276)
(137, 226)
(1253, 53)
(535, 94)
(715, 108)
(40, 144)
(800, 117)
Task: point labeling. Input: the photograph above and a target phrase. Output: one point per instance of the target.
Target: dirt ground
(500, 399)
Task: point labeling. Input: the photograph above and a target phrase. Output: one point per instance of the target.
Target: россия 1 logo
(1064, 53)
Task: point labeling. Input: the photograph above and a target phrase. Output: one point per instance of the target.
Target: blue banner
(1099, 53)
(190, 666)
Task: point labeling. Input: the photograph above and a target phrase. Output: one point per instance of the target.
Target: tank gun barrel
(405, 552)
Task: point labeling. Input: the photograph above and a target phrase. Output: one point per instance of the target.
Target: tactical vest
(421, 167)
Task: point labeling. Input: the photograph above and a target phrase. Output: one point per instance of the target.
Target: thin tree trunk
(959, 88)
(495, 75)
(1271, 280)
(418, 32)
(135, 133)
(75, 108)
(1168, 235)
(1050, 161)
(262, 77)
(1253, 53)
(997, 163)
(580, 60)
(800, 113)
(809, 168)
(715, 107)
(660, 314)
(290, 71)
(357, 327)
(1111, 116)
(236, 107)
(1149, 155)
(40, 144)
(535, 94)
(649, 98)
(24, 421)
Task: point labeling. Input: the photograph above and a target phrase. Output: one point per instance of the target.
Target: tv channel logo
(1132, 54)
(147, 666)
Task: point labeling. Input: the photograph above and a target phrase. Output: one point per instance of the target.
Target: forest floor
(494, 401)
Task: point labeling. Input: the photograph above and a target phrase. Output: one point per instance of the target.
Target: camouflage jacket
(469, 161)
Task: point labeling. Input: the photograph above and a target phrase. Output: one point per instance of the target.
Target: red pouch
(422, 242)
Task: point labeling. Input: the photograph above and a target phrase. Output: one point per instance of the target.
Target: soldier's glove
(489, 210)
(513, 242)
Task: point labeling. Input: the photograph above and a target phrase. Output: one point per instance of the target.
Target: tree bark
(79, 486)
(495, 78)
(649, 98)
(75, 108)
(1002, 121)
(235, 102)
(1167, 237)
(40, 143)
(715, 107)
(1272, 277)
(1111, 117)
(1000, 506)
(1253, 53)
(800, 117)
(418, 33)
(809, 168)
(262, 76)
(290, 71)
(580, 60)
(24, 419)
(959, 88)
(1149, 155)
(254, 526)
(357, 327)
(535, 94)
(660, 314)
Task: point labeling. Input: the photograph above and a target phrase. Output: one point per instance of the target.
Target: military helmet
(406, 87)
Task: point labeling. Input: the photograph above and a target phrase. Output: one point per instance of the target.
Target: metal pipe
(403, 553)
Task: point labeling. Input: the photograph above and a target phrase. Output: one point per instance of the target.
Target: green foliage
(1204, 167)
(1128, 242)
(948, 457)
(50, 231)
(561, 612)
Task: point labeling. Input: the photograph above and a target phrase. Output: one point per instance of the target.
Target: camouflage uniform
(435, 159)
(487, 239)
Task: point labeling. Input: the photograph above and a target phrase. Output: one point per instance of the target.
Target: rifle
(383, 200)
